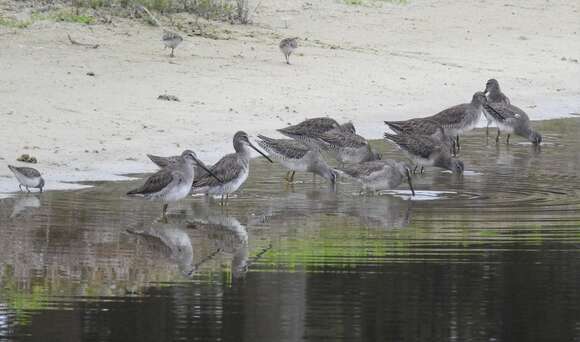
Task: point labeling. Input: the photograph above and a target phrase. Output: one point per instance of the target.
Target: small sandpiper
(426, 151)
(171, 40)
(173, 160)
(494, 95)
(461, 118)
(171, 183)
(233, 169)
(296, 156)
(287, 46)
(27, 177)
(379, 174)
(511, 119)
(346, 146)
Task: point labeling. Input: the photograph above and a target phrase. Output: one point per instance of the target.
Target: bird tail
(494, 113)
(395, 126)
(159, 161)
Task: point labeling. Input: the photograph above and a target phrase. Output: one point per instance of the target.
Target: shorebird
(422, 126)
(171, 40)
(174, 160)
(27, 177)
(171, 183)
(346, 146)
(296, 156)
(308, 130)
(461, 118)
(379, 174)
(494, 95)
(287, 46)
(512, 119)
(426, 151)
(233, 169)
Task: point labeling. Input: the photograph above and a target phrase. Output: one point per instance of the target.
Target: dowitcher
(171, 40)
(461, 118)
(494, 95)
(426, 151)
(287, 46)
(379, 174)
(233, 169)
(346, 146)
(296, 156)
(422, 126)
(27, 177)
(511, 119)
(171, 183)
(173, 160)
(308, 130)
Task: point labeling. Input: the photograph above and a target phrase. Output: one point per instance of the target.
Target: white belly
(29, 182)
(231, 186)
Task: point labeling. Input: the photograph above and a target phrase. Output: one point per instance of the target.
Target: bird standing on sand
(171, 183)
(174, 160)
(287, 46)
(233, 169)
(494, 95)
(27, 177)
(296, 156)
(461, 118)
(426, 151)
(379, 174)
(511, 119)
(171, 40)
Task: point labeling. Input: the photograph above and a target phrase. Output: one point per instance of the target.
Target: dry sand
(361, 63)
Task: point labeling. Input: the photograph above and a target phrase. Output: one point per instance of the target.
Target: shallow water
(490, 256)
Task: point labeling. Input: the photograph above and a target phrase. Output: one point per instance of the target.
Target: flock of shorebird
(428, 141)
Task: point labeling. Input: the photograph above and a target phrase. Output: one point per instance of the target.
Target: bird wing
(337, 138)
(158, 181)
(286, 148)
(504, 112)
(421, 146)
(310, 126)
(225, 169)
(450, 116)
(163, 161)
(362, 169)
(25, 171)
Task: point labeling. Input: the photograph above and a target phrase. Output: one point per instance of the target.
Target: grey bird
(174, 160)
(308, 130)
(346, 146)
(379, 174)
(287, 46)
(461, 118)
(422, 126)
(511, 119)
(233, 169)
(494, 95)
(171, 40)
(296, 156)
(172, 183)
(426, 151)
(27, 177)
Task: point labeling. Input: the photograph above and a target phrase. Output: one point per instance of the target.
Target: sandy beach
(364, 63)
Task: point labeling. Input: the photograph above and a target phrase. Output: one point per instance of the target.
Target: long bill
(410, 182)
(200, 163)
(260, 152)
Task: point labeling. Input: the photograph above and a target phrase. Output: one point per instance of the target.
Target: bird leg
(487, 130)
(165, 210)
(458, 146)
(40, 189)
(422, 169)
(415, 169)
(171, 55)
(27, 189)
(292, 176)
(20, 187)
(497, 138)
(507, 141)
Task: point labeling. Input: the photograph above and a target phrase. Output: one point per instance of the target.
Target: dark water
(493, 256)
